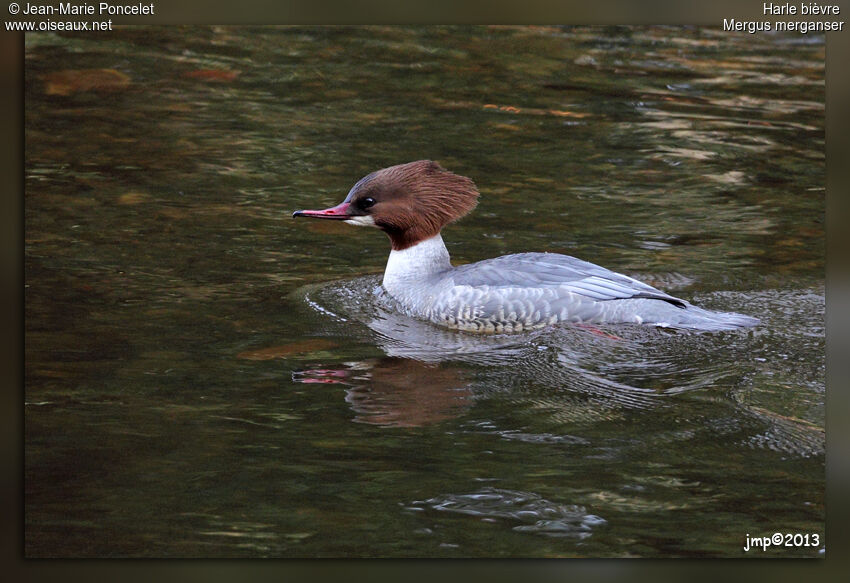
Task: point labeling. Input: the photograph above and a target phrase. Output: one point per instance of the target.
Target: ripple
(537, 515)
(787, 435)
(579, 377)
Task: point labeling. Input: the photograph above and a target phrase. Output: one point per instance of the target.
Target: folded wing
(561, 273)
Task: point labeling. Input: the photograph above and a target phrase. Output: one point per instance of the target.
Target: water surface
(206, 377)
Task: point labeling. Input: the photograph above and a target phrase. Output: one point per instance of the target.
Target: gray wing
(553, 270)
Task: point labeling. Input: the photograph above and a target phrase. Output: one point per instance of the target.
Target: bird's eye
(367, 202)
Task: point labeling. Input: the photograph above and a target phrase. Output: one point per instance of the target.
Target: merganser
(412, 202)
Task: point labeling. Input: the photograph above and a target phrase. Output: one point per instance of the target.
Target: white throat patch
(361, 221)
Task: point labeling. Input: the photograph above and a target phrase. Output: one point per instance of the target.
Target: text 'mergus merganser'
(412, 202)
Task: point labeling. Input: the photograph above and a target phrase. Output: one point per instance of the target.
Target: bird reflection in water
(397, 392)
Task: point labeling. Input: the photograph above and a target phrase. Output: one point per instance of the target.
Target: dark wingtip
(663, 297)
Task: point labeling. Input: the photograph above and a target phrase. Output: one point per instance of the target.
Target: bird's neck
(416, 263)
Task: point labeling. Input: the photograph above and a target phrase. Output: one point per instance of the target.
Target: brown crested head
(412, 202)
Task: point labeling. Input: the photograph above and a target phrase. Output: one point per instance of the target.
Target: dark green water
(206, 377)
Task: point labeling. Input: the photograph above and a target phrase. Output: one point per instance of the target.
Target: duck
(514, 293)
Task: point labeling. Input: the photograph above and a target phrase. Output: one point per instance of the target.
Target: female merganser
(412, 202)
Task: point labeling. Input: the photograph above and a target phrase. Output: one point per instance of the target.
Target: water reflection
(585, 374)
(396, 392)
(406, 393)
(181, 400)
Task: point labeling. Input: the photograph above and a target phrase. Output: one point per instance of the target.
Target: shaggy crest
(418, 200)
